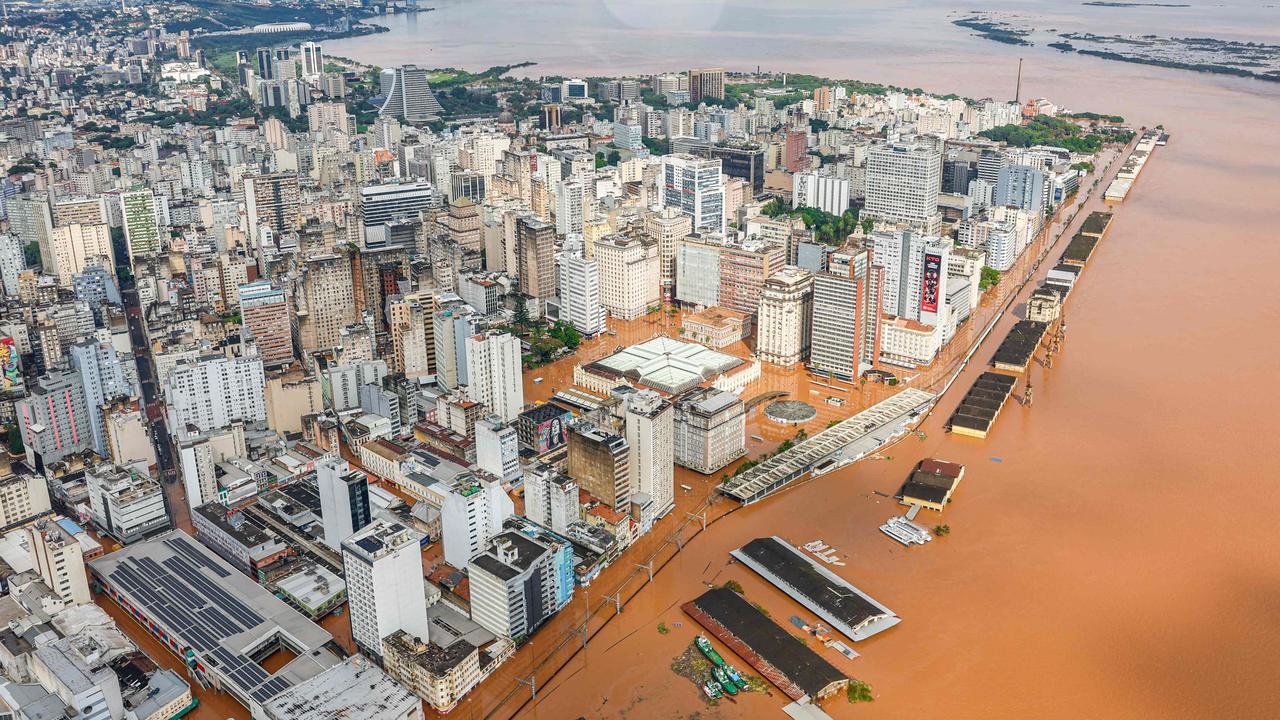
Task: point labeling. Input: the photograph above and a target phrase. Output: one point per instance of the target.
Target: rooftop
(667, 364)
(355, 689)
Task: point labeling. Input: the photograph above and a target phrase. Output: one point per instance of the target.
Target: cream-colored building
(58, 558)
(79, 247)
(629, 276)
(22, 498)
(783, 323)
(664, 228)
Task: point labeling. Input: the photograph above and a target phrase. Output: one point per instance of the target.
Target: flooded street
(1112, 553)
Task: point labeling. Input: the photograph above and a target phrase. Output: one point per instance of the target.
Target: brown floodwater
(1112, 552)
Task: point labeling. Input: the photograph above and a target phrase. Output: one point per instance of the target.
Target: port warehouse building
(843, 606)
(776, 654)
(850, 439)
(218, 620)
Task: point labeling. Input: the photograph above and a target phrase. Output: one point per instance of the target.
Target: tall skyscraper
(630, 276)
(795, 151)
(493, 373)
(903, 184)
(580, 293)
(54, 419)
(1024, 187)
(472, 510)
(77, 247)
(846, 315)
(409, 96)
(648, 421)
(344, 500)
(599, 461)
(379, 204)
(266, 64)
(515, 585)
(141, 230)
(694, 186)
(535, 245)
(665, 228)
(783, 328)
(706, 83)
(271, 201)
(382, 564)
(312, 60)
(106, 375)
(264, 312)
(915, 275)
(573, 206)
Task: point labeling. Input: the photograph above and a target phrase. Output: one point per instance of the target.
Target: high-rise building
(846, 315)
(706, 83)
(264, 313)
(106, 375)
(825, 192)
(744, 266)
(651, 453)
(312, 60)
(694, 186)
(783, 328)
(915, 275)
(13, 261)
(409, 95)
(379, 204)
(551, 116)
(141, 229)
(498, 448)
(266, 64)
(630, 276)
(58, 557)
(413, 346)
(903, 184)
(599, 461)
(382, 565)
(472, 510)
(580, 293)
(54, 419)
(515, 584)
(709, 429)
(127, 504)
(328, 301)
(212, 391)
(344, 500)
(698, 269)
(1024, 187)
(551, 498)
(199, 455)
(536, 247)
(665, 228)
(271, 201)
(573, 206)
(452, 324)
(741, 160)
(76, 248)
(493, 373)
(795, 151)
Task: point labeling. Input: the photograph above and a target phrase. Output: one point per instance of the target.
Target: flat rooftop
(774, 652)
(203, 605)
(844, 606)
(355, 689)
(667, 364)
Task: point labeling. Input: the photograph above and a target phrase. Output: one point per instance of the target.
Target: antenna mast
(1017, 93)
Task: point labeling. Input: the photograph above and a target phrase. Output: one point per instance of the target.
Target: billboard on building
(10, 367)
(932, 281)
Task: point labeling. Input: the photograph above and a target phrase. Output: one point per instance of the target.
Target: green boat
(705, 646)
(722, 677)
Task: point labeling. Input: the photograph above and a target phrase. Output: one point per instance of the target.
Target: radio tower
(1017, 92)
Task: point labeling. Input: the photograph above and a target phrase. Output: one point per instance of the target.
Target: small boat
(705, 646)
(733, 674)
(712, 690)
(722, 677)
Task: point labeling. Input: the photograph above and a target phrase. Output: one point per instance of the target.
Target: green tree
(942, 530)
(15, 441)
(522, 312)
(600, 160)
(868, 225)
(614, 158)
(859, 691)
(990, 277)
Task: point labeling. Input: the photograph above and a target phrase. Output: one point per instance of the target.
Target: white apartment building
(903, 184)
(709, 429)
(513, 585)
(651, 452)
(573, 206)
(498, 448)
(783, 323)
(493, 373)
(23, 497)
(382, 565)
(212, 391)
(580, 293)
(125, 503)
(77, 248)
(629, 276)
(472, 510)
(915, 275)
(825, 192)
(58, 557)
(551, 498)
(344, 500)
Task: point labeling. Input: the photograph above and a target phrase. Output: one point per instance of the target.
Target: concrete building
(514, 585)
(647, 421)
(903, 184)
(24, 497)
(630, 276)
(382, 564)
(915, 273)
(664, 228)
(77, 248)
(846, 315)
(472, 510)
(271, 201)
(264, 313)
(695, 187)
(817, 190)
(580, 293)
(54, 419)
(141, 226)
(600, 461)
(498, 448)
(107, 375)
(409, 96)
(551, 498)
(354, 689)
(125, 503)
(697, 279)
(708, 429)
(493, 373)
(344, 501)
(212, 391)
(535, 251)
(58, 558)
(1024, 187)
(784, 322)
(706, 83)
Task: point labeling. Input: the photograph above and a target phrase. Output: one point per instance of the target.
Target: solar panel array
(198, 611)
